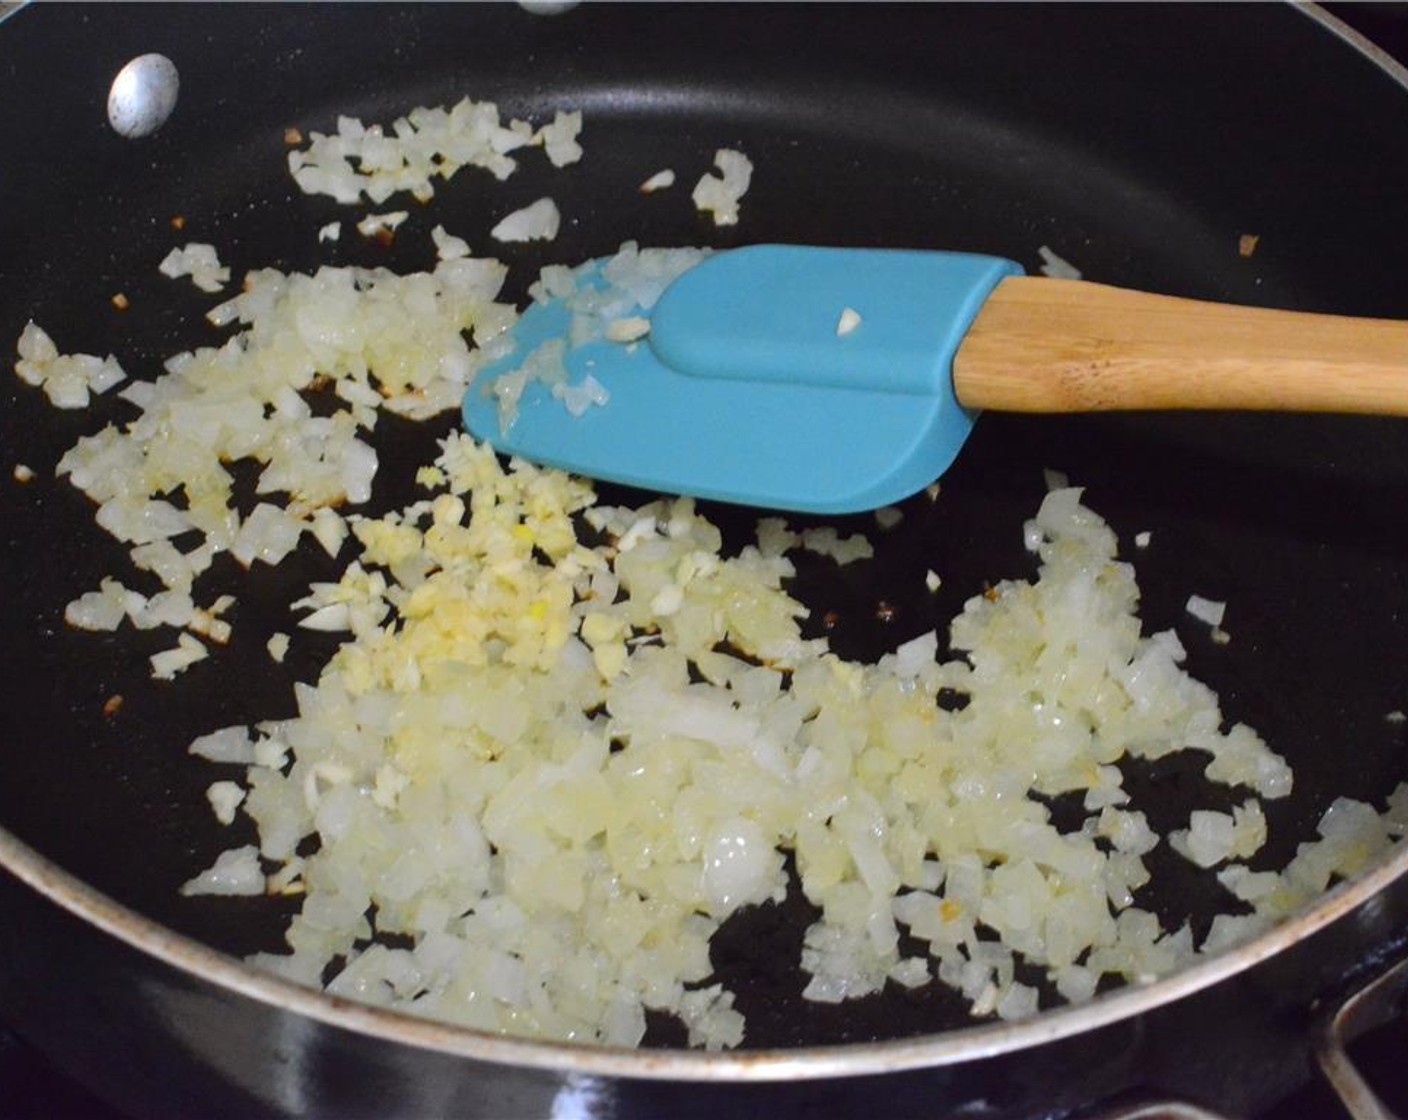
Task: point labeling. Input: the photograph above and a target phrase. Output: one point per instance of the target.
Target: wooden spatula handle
(1046, 345)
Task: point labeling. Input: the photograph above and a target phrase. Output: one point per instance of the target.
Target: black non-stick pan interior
(1138, 142)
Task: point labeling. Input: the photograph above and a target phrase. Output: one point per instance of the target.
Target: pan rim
(947, 1048)
(954, 1047)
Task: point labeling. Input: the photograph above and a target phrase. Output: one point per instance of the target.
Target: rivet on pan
(546, 7)
(143, 95)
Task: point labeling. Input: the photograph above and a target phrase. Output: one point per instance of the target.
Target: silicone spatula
(837, 380)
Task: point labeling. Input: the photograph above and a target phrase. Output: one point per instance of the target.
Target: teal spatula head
(786, 377)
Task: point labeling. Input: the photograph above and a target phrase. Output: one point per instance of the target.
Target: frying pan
(1139, 142)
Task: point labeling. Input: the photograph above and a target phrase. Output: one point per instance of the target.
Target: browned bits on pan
(384, 236)
(120, 301)
(991, 593)
(178, 222)
(292, 137)
(830, 619)
(1246, 244)
(884, 611)
(112, 706)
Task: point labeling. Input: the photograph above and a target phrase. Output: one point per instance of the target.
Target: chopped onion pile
(68, 380)
(425, 144)
(380, 340)
(558, 769)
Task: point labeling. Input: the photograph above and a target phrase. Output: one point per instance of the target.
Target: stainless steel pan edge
(1373, 906)
(1367, 903)
(175, 1029)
